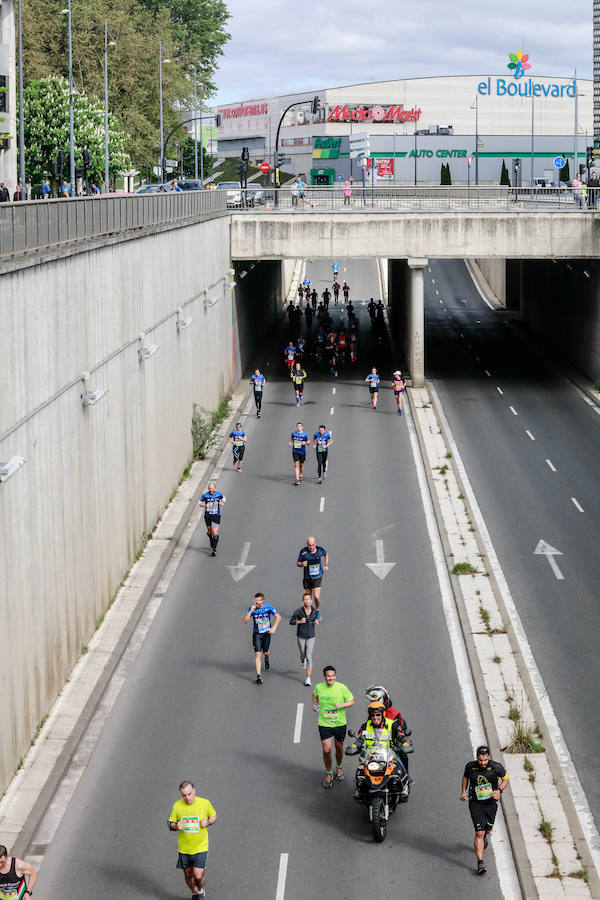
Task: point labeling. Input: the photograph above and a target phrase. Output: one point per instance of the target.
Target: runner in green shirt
(331, 698)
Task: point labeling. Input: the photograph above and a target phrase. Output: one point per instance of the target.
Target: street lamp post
(21, 116)
(476, 138)
(195, 127)
(107, 44)
(161, 162)
(67, 12)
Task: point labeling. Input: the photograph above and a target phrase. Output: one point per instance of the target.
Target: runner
(262, 629)
(373, 381)
(398, 384)
(342, 343)
(485, 780)
(326, 295)
(298, 441)
(331, 699)
(336, 291)
(237, 439)
(191, 817)
(13, 875)
(300, 345)
(289, 353)
(372, 309)
(322, 442)
(346, 291)
(335, 268)
(353, 341)
(258, 382)
(313, 299)
(315, 561)
(300, 292)
(305, 617)
(309, 313)
(212, 500)
(298, 374)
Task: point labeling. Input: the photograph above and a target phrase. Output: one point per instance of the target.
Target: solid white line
(576, 504)
(530, 436)
(500, 391)
(477, 288)
(588, 401)
(298, 725)
(551, 466)
(283, 864)
(571, 777)
(322, 504)
(442, 302)
(513, 411)
(333, 390)
(504, 860)
(487, 373)
(331, 411)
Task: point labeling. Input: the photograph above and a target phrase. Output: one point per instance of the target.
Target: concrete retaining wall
(96, 479)
(494, 273)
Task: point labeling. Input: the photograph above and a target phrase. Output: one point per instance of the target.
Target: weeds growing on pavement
(204, 424)
(497, 659)
(581, 873)
(443, 469)
(524, 738)
(530, 769)
(464, 568)
(449, 454)
(514, 714)
(545, 829)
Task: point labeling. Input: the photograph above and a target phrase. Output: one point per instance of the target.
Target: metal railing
(32, 227)
(434, 198)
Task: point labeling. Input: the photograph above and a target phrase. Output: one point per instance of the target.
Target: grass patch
(204, 423)
(524, 739)
(461, 496)
(84, 649)
(443, 469)
(581, 873)
(545, 829)
(514, 714)
(449, 454)
(464, 568)
(530, 769)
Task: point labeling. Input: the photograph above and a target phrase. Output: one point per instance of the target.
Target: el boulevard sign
(524, 88)
(381, 114)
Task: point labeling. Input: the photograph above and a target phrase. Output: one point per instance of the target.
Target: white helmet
(378, 693)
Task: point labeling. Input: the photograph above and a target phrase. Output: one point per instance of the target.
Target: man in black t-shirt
(483, 780)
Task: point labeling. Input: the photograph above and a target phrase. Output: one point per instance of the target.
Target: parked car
(255, 195)
(148, 189)
(234, 192)
(190, 184)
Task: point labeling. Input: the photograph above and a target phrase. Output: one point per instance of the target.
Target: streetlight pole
(575, 129)
(21, 116)
(532, 140)
(107, 44)
(71, 126)
(415, 153)
(161, 162)
(195, 128)
(476, 138)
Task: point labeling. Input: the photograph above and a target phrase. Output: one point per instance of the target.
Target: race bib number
(212, 506)
(190, 824)
(297, 445)
(8, 894)
(239, 443)
(331, 715)
(483, 791)
(314, 570)
(263, 627)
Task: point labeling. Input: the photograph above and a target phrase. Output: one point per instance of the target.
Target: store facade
(472, 124)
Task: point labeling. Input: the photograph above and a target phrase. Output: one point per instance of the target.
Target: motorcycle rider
(377, 692)
(379, 731)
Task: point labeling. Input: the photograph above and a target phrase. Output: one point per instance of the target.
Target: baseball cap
(397, 372)
(483, 750)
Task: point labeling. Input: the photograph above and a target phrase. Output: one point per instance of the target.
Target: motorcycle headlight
(375, 767)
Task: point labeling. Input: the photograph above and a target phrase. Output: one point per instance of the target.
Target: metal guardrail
(408, 198)
(31, 227)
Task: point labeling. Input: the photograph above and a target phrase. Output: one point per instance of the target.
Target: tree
(46, 117)
(504, 176)
(445, 176)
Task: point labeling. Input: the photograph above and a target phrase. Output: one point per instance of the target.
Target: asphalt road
(191, 709)
(528, 489)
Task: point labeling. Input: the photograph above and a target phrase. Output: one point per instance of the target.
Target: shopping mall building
(470, 122)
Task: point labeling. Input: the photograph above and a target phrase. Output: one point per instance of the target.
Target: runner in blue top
(212, 500)
(258, 382)
(290, 354)
(237, 439)
(335, 268)
(322, 442)
(373, 381)
(298, 442)
(260, 613)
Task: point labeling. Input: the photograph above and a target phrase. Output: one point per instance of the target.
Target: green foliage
(133, 82)
(463, 568)
(504, 176)
(204, 424)
(46, 108)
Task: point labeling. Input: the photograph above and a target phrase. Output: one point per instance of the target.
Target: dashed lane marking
(499, 389)
(333, 390)
(298, 723)
(550, 465)
(322, 504)
(530, 436)
(331, 411)
(513, 411)
(489, 375)
(283, 864)
(576, 504)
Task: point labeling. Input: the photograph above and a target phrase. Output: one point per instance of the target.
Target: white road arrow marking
(550, 552)
(380, 568)
(241, 570)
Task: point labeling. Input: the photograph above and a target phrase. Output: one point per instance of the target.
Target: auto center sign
(380, 114)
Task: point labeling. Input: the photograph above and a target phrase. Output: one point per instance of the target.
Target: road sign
(359, 145)
(559, 162)
(265, 167)
(339, 177)
(469, 160)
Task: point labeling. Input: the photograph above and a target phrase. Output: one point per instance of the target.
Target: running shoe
(481, 869)
(259, 679)
(307, 681)
(214, 551)
(296, 482)
(267, 663)
(319, 480)
(325, 474)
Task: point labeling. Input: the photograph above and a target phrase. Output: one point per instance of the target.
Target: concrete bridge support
(406, 296)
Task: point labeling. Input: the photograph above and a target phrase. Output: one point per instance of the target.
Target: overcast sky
(284, 46)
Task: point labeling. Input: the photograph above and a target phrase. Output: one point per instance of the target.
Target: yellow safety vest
(385, 735)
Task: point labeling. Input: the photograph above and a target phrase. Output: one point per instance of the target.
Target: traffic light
(55, 168)
(589, 157)
(86, 159)
(218, 120)
(245, 154)
(315, 105)
(61, 159)
(517, 165)
(277, 159)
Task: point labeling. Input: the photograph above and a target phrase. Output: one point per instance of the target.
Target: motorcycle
(378, 783)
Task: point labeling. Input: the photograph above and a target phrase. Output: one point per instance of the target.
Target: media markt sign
(377, 114)
(326, 148)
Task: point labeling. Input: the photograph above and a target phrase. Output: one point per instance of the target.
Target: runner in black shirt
(483, 781)
(326, 295)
